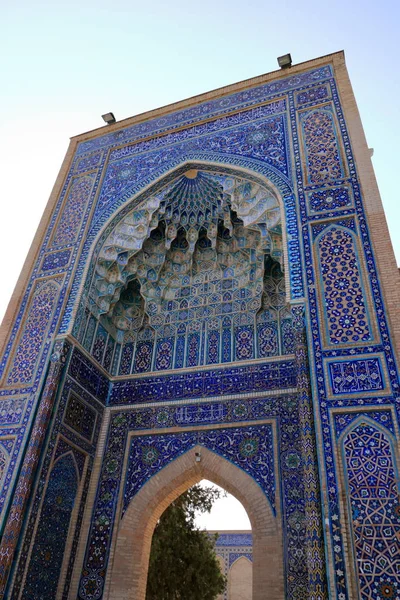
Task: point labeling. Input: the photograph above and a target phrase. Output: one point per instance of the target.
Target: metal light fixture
(285, 61)
(108, 118)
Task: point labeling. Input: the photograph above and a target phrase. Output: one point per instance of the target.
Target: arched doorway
(127, 573)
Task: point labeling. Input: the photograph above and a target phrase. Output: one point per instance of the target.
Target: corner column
(313, 526)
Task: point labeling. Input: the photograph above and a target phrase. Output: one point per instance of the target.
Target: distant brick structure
(211, 293)
(234, 550)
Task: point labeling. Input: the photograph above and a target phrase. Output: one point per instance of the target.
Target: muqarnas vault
(211, 294)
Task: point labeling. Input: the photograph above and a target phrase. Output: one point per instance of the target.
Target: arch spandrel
(127, 573)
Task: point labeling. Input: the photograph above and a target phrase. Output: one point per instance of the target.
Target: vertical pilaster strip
(313, 525)
(25, 482)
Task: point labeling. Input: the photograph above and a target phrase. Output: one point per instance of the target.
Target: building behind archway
(234, 551)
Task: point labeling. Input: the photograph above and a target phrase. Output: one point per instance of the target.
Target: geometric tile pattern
(330, 199)
(45, 566)
(251, 450)
(80, 417)
(323, 159)
(346, 313)
(219, 106)
(200, 384)
(27, 353)
(88, 376)
(314, 94)
(12, 410)
(72, 215)
(81, 452)
(383, 417)
(238, 444)
(178, 273)
(375, 507)
(208, 323)
(56, 260)
(234, 539)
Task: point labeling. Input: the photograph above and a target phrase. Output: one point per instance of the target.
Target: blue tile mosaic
(88, 376)
(200, 384)
(234, 539)
(330, 200)
(291, 132)
(56, 260)
(49, 541)
(207, 109)
(45, 566)
(355, 376)
(239, 444)
(251, 450)
(384, 417)
(313, 94)
(234, 556)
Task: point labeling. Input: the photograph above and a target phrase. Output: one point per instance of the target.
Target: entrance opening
(234, 544)
(226, 512)
(129, 559)
(186, 560)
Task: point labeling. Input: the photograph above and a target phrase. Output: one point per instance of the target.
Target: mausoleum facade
(211, 293)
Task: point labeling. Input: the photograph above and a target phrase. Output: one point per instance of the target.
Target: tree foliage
(183, 564)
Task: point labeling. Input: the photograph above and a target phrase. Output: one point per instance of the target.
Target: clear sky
(226, 513)
(64, 64)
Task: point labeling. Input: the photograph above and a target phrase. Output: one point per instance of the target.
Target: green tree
(183, 564)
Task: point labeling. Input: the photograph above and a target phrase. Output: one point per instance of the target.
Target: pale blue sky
(63, 64)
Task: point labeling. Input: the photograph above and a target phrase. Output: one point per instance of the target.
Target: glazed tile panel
(61, 492)
(246, 379)
(253, 448)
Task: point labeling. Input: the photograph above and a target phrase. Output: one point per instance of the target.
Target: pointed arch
(129, 557)
(134, 198)
(364, 418)
(240, 579)
(70, 454)
(135, 194)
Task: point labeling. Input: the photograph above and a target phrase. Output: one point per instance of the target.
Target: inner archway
(129, 557)
(196, 276)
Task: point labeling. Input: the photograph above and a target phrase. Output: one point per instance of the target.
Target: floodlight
(108, 118)
(285, 61)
